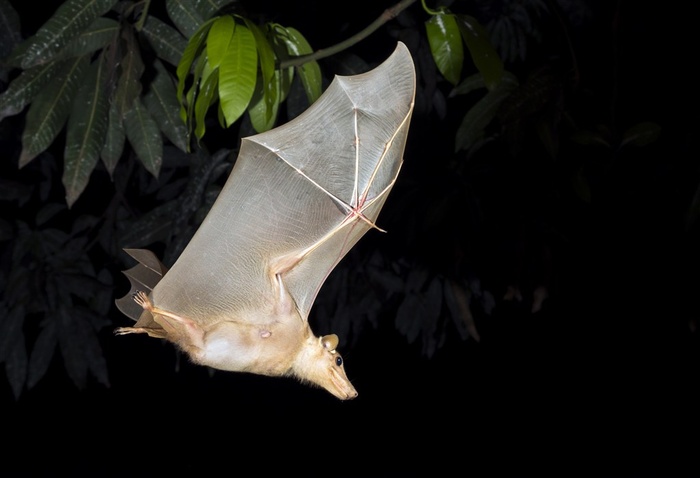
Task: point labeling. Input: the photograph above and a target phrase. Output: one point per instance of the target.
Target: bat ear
(330, 342)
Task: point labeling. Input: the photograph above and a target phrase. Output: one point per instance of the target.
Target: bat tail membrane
(143, 276)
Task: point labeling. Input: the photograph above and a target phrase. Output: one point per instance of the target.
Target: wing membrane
(297, 195)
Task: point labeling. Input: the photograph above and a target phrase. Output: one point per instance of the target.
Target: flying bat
(298, 198)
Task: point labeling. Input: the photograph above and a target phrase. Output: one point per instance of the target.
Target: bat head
(321, 364)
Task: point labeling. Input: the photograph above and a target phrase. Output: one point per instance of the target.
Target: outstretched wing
(298, 199)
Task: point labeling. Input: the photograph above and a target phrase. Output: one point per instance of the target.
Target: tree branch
(388, 14)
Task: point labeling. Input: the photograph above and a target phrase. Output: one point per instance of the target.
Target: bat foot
(128, 330)
(142, 299)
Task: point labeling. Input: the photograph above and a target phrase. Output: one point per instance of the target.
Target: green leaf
(266, 57)
(201, 73)
(265, 104)
(309, 72)
(193, 49)
(85, 134)
(167, 42)
(219, 39)
(205, 98)
(641, 134)
(483, 54)
(184, 15)
(97, 36)
(161, 102)
(144, 136)
(446, 45)
(278, 41)
(69, 21)
(50, 109)
(115, 138)
(238, 74)
(24, 88)
(129, 84)
(480, 115)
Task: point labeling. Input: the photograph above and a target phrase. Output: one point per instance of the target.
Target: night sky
(601, 382)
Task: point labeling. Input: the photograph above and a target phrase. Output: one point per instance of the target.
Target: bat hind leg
(182, 330)
(157, 333)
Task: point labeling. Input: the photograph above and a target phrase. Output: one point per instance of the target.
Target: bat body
(298, 199)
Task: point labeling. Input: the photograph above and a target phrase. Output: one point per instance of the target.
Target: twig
(388, 14)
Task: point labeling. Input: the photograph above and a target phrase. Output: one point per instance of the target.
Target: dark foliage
(533, 302)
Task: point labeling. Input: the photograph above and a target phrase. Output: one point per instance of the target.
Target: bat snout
(342, 388)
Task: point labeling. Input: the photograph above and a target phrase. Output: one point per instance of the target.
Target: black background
(602, 382)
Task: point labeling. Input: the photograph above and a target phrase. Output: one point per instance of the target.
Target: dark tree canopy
(533, 298)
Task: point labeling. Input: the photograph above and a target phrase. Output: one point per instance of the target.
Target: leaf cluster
(232, 62)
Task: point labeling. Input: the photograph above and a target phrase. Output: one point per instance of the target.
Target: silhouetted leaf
(70, 341)
(10, 34)
(129, 85)
(97, 36)
(24, 88)
(10, 328)
(42, 352)
(168, 43)
(483, 54)
(148, 228)
(207, 8)
(431, 311)
(457, 300)
(50, 108)
(471, 129)
(86, 130)
(102, 300)
(6, 233)
(115, 137)
(641, 134)
(581, 186)
(184, 15)
(92, 351)
(19, 280)
(16, 365)
(586, 137)
(13, 190)
(469, 84)
(48, 212)
(144, 136)
(161, 102)
(70, 20)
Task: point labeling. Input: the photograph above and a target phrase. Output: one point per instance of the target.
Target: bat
(298, 198)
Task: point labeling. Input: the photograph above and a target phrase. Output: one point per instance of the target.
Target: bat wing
(143, 276)
(299, 197)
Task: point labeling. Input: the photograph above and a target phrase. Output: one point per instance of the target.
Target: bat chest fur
(266, 350)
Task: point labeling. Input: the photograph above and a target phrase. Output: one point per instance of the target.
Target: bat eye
(339, 361)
